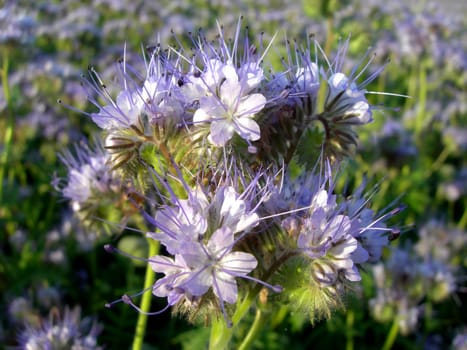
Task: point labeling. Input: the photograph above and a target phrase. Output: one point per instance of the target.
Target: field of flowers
(232, 174)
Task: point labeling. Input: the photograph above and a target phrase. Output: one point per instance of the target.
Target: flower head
(66, 331)
(232, 110)
(227, 90)
(345, 97)
(202, 233)
(225, 214)
(94, 190)
(119, 114)
(325, 237)
(157, 97)
(88, 175)
(202, 266)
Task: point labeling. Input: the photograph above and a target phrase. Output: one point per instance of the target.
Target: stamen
(111, 304)
(381, 218)
(127, 300)
(74, 109)
(111, 249)
(275, 288)
(221, 301)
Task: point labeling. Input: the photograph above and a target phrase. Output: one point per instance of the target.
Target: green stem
(392, 335)
(254, 330)
(279, 317)
(412, 82)
(349, 330)
(10, 123)
(463, 221)
(146, 299)
(6, 90)
(422, 95)
(220, 332)
(438, 163)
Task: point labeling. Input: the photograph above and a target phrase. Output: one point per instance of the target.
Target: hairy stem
(221, 334)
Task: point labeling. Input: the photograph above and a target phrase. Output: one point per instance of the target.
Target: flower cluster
(213, 142)
(67, 331)
(221, 96)
(328, 239)
(201, 232)
(92, 188)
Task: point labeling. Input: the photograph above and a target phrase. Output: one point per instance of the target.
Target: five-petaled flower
(200, 266)
(232, 111)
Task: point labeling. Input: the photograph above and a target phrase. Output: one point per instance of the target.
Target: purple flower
(368, 228)
(231, 210)
(307, 77)
(217, 266)
(183, 223)
(348, 100)
(225, 89)
(176, 272)
(202, 232)
(67, 331)
(119, 114)
(88, 174)
(202, 83)
(203, 266)
(158, 97)
(325, 237)
(188, 220)
(336, 235)
(232, 111)
(213, 218)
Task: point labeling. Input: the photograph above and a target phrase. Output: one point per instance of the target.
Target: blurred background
(414, 152)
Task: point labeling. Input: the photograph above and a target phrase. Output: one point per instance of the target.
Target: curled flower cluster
(92, 188)
(213, 140)
(88, 172)
(329, 238)
(223, 96)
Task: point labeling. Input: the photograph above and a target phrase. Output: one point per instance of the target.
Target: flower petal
(238, 263)
(344, 248)
(246, 222)
(225, 287)
(199, 282)
(221, 239)
(163, 264)
(248, 129)
(250, 105)
(353, 274)
(221, 132)
(201, 116)
(338, 227)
